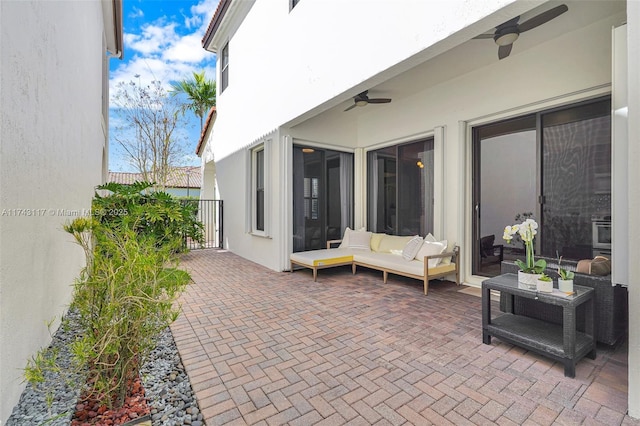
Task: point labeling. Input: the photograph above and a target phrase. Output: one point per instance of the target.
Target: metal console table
(559, 342)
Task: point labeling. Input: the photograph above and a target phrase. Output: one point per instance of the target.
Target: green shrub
(148, 213)
(126, 295)
(124, 300)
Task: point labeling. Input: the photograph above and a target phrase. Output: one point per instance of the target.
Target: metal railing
(209, 212)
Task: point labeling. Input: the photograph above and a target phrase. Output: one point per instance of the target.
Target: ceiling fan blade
(504, 51)
(543, 18)
(351, 107)
(483, 36)
(510, 23)
(379, 101)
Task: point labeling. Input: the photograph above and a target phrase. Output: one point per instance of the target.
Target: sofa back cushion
(347, 235)
(392, 242)
(345, 238)
(360, 240)
(376, 239)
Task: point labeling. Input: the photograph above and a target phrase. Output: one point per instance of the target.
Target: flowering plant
(527, 231)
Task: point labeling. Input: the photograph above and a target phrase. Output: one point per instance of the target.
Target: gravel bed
(166, 384)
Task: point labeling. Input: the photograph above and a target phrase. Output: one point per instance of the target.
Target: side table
(559, 342)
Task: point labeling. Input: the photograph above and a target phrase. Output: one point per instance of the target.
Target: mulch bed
(89, 411)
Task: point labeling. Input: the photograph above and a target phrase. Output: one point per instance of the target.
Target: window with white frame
(259, 190)
(257, 197)
(224, 77)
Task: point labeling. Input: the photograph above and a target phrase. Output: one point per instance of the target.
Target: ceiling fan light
(361, 102)
(506, 39)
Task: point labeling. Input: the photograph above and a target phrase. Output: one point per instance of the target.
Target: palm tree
(200, 92)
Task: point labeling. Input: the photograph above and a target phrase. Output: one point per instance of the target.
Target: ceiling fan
(362, 99)
(508, 32)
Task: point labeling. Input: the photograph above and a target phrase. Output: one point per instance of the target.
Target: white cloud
(136, 13)
(166, 49)
(204, 11)
(186, 49)
(153, 39)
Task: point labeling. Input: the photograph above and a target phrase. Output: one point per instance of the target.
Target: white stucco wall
(325, 49)
(51, 157)
(234, 185)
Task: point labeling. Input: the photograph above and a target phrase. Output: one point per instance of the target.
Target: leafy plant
(564, 273)
(124, 301)
(545, 277)
(148, 213)
(126, 294)
(200, 92)
(43, 362)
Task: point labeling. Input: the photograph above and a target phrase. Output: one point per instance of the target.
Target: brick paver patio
(265, 347)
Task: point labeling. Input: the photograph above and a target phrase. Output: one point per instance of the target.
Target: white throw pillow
(411, 248)
(430, 248)
(443, 260)
(345, 238)
(360, 240)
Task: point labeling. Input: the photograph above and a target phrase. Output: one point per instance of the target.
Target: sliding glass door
(553, 166)
(576, 179)
(505, 187)
(322, 196)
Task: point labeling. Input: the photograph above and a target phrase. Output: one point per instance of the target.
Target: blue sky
(162, 41)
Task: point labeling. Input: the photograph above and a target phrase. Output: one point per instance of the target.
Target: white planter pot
(565, 286)
(528, 280)
(544, 286)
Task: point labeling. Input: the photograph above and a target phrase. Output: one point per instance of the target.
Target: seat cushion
(390, 262)
(325, 257)
(443, 269)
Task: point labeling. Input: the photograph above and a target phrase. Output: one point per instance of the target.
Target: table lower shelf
(541, 337)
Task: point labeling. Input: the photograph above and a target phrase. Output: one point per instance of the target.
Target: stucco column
(633, 28)
(360, 189)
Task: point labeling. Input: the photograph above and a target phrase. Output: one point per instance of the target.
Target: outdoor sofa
(413, 257)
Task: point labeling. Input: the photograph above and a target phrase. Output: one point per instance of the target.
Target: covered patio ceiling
(467, 56)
